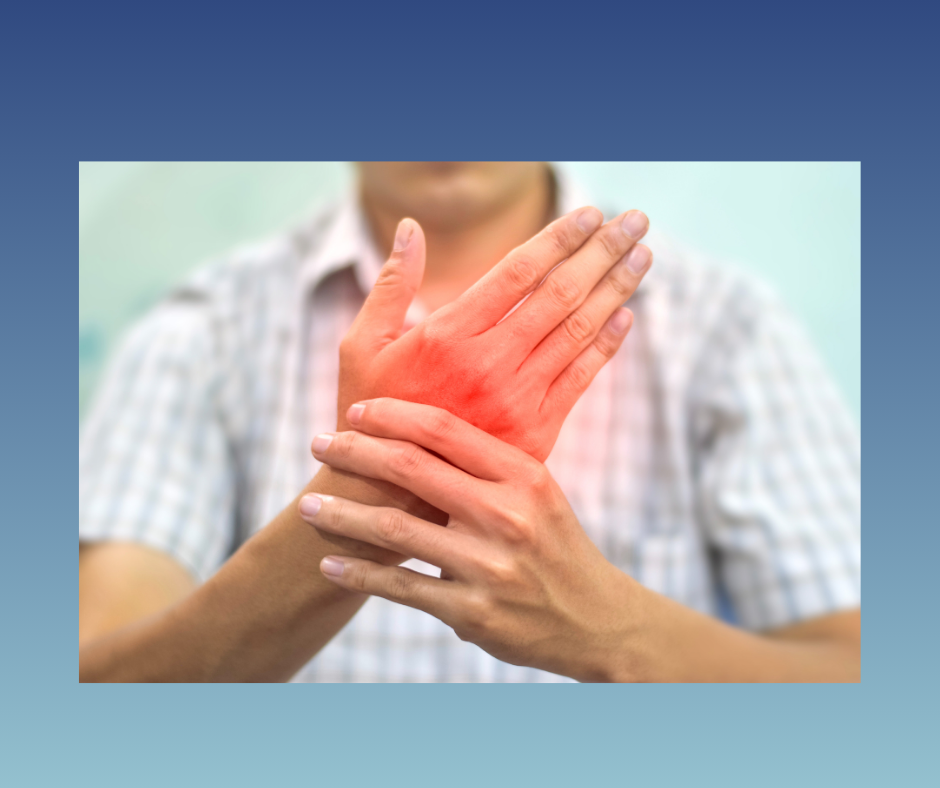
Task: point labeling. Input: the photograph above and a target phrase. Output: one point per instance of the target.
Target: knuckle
(579, 376)
(434, 332)
(390, 527)
(391, 276)
(441, 424)
(578, 327)
(518, 528)
(613, 242)
(538, 479)
(357, 578)
(500, 573)
(522, 273)
(401, 584)
(474, 617)
(559, 237)
(383, 411)
(563, 292)
(337, 512)
(375, 413)
(618, 283)
(607, 345)
(344, 444)
(407, 459)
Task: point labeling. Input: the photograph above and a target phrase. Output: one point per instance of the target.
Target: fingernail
(332, 567)
(620, 321)
(590, 219)
(637, 259)
(310, 505)
(354, 414)
(403, 235)
(635, 224)
(321, 443)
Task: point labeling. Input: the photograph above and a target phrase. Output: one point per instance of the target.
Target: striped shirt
(712, 459)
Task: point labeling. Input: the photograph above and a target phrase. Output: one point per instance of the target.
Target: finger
(567, 287)
(382, 316)
(430, 594)
(579, 329)
(405, 464)
(457, 441)
(577, 376)
(386, 527)
(521, 271)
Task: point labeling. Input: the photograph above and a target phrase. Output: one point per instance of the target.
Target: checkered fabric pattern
(712, 459)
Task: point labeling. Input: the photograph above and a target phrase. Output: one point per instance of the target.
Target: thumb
(383, 314)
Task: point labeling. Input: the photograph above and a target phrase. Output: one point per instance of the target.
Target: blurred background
(796, 225)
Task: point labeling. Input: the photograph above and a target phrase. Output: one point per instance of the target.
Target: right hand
(517, 376)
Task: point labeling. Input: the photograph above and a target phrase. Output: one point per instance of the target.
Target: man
(709, 458)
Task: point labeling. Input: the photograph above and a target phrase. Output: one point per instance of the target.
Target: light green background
(142, 226)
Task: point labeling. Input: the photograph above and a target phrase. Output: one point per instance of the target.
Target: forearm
(262, 616)
(666, 641)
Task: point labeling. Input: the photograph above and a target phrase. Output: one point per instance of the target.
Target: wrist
(373, 492)
(620, 656)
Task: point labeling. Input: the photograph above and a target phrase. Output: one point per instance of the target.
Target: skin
(521, 579)
(470, 211)
(264, 614)
(509, 375)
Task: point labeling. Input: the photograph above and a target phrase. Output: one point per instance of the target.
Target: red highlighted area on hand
(516, 378)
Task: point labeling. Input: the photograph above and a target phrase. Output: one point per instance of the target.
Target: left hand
(520, 578)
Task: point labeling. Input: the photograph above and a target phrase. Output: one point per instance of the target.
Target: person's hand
(520, 578)
(515, 378)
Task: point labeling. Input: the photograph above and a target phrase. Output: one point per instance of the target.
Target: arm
(679, 644)
(521, 579)
(260, 618)
(267, 611)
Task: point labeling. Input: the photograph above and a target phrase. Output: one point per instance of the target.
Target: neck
(457, 258)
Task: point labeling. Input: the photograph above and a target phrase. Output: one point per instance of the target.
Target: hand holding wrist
(520, 578)
(375, 492)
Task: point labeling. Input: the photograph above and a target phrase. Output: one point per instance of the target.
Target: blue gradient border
(601, 82)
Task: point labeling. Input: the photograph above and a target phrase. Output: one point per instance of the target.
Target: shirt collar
(347, 240)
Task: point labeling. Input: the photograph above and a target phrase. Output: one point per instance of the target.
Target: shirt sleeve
(779, 470)
(154, 464)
